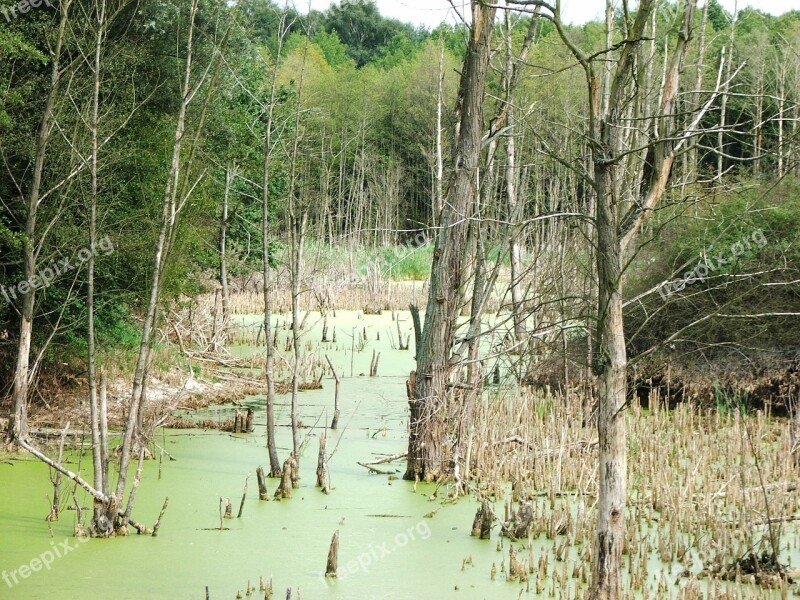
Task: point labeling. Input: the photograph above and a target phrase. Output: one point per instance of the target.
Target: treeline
(361, 120)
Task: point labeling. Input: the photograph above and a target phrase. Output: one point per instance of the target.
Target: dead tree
(101, 520)
(623, 175)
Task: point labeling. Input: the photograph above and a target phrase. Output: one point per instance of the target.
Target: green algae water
(388, 548)
(396, 541)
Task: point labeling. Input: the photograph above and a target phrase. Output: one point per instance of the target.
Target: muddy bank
(166, 394)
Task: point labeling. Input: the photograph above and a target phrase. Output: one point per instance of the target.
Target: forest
(530, 288)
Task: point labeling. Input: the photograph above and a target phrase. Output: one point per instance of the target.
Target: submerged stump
(517, 527)
(333, 556)
(285, 487)
(322, 466)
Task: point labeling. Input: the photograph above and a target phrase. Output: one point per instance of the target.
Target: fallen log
(377, 471)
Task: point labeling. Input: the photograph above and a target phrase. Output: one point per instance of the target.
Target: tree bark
(427, 452)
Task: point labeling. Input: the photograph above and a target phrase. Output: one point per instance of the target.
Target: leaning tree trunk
(169, 216)
(427, 449)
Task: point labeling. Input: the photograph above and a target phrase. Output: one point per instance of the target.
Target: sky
(432, 12)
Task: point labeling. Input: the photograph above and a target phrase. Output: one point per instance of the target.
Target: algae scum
(397, 540)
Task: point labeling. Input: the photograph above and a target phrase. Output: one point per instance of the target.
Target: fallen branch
(786, 486)
(385, 459)
(548, 452)
(97, 495)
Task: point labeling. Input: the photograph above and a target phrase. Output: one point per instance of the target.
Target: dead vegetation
(712, 493)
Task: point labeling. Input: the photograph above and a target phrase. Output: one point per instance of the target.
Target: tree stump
(516, 569)
(333, 556)
(516, 528)
(249, 425)
(482, 524)
(322, 466)
(285, 487)
(263, 494)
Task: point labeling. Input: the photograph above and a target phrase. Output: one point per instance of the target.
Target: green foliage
(332, 47)
(729, 402)
(362, 29)
(719, 18)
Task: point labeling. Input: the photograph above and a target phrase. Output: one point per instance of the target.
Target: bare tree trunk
(298, 229)
(427, 459)
(723, 110)
(698, 84)
(781, 113)
(18, 422)
(298, 241)
(610, 364)
(757, 122)
(615, 234)
(269, 360)
(100, 524)
(169, 216)
(515, 207)
(439, 192)
(230, 174)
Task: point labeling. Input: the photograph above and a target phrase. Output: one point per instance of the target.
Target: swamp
(316, 302)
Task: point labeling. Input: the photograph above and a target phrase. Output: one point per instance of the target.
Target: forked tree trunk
(615, 234)
(427, 454)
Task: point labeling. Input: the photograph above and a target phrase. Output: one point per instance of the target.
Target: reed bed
(711, 492)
